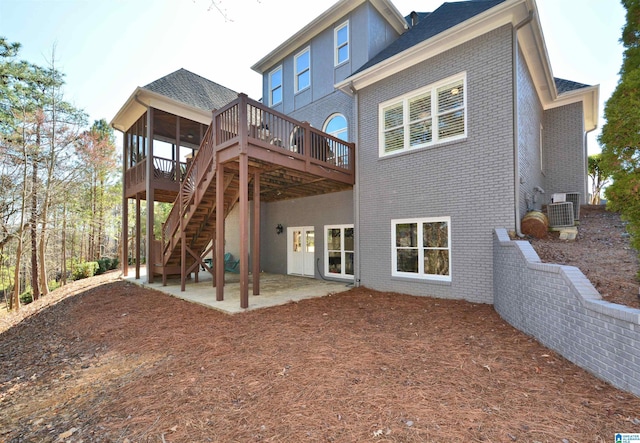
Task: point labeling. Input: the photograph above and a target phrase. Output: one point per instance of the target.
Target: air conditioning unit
(560, 214)
(574, 197)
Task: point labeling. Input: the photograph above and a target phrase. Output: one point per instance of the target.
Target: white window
(421, 248)
(275, 86)
(341, 39)
(303, 69)
(430, 115)
(339, 251)
(336, 125)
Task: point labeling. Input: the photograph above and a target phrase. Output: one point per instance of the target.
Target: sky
(107, 48)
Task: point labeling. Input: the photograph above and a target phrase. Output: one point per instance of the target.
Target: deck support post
(125, 236)
(138, 234)
(150, 196)
(244, 230)
(125, 208)
(218, 263)
(256, 234)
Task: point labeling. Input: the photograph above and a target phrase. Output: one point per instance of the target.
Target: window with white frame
(303, 69)
(275, 86)
(430, 115)
(336, 125)
(339, 251)
(341, 39)
(422, 248)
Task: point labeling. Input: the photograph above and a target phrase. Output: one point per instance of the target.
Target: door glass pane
(310, 241)
(335, 262)
(297, 241)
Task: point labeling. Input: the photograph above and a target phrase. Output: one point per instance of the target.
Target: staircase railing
(188, 195)
(265, 128)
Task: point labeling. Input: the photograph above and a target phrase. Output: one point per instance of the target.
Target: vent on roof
(560, 214)
(415, 18)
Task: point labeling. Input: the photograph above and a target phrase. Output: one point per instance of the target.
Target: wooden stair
(193, 216)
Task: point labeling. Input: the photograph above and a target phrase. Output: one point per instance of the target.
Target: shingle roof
(446, 16)
(563, 85)
(189, 88)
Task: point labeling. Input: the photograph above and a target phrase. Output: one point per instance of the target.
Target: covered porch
(247, 153)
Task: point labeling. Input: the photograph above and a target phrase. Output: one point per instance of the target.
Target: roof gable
(325, 20)
(429, 25)
(193, 90)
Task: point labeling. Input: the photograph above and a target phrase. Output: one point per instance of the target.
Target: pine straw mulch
(120, 363)
(603, 253)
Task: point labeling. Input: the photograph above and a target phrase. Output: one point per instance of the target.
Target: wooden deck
(246, 146)
(294, 160)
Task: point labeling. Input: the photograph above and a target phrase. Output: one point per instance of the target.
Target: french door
(301, 251)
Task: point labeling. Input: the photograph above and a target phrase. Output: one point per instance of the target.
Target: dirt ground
(107, 361)
(602, 253)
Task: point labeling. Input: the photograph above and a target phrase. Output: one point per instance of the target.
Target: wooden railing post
(307, 145)
(243, 122)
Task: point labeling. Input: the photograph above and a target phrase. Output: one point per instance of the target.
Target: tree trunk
(63, 278)
(42, 248)
(33, 224)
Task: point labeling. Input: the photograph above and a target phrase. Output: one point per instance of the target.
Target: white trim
(533, 47)
(325, 20)
(420, 275)
(434, 115)
(337, 47)
(342, 275)
(297, 73)
(141, 98)
(335, 134)
(270, 92)
(508, 12)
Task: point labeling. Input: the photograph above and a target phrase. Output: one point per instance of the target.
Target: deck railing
(136, 174)
(272, 129)
(262, 127)
(163, 169)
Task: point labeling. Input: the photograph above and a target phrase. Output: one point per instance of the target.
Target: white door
(301, 250)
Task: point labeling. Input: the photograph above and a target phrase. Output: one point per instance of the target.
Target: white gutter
(356, 193)
(516, 157)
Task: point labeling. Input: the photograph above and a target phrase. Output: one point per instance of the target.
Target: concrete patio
(275, 289)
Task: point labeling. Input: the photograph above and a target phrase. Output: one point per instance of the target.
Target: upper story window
(303, 69)
(336, 125)
(427, 116)
(275, 86)
(341, 38)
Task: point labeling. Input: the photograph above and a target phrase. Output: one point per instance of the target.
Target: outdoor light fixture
(279, 229)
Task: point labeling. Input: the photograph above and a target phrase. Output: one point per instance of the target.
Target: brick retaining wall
(559, 307)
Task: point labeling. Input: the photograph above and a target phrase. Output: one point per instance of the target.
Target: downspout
(356, 194)
(516, 159)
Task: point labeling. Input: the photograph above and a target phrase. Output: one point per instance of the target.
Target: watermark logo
(627, 438)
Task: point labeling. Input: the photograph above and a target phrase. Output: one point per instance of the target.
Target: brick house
(422, 134)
